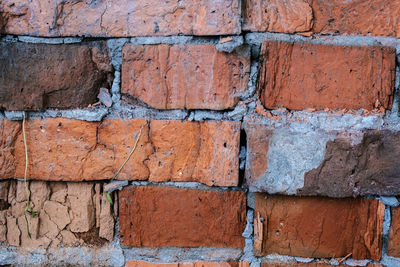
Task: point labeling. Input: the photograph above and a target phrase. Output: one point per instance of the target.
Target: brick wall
(200, 133)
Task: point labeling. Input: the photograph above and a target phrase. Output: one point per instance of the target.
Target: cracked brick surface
(74, 150)
(195, 76)
(119, 18)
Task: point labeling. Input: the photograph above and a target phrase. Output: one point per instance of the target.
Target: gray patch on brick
(290, 155)
(90, 114)
(238, 113)
(229, 46)
(161, 40)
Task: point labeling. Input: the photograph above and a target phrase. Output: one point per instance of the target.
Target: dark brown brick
(41, 76)
(156, 216)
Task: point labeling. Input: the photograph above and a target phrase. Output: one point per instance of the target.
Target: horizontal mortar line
(257, 38)
(188, 185)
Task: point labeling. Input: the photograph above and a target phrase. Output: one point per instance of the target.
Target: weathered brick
(194, 218)
(288, 16)
(310, 264)
(41, 76)
(359, 17)
(338, 164)
(120, 18)
(320, 227)
(394, 234)
(185, 76)
(300, 75)
(74, 150)
(136, 263)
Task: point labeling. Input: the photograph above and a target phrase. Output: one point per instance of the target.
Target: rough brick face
(193, 218)
(394, 234)
(289, 16)
(360, 17)
(135, 263)
(185, 76)
(299, 76)
(120, 18)
(41, 76)
(351, 164)
(320, 227)
(74, 150)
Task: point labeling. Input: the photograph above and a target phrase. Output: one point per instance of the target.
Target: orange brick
(319, 227)
(155, 216)
(119, 18)
(394, 234)
(185, 76)
(298, 76)
(288, 16)
(74, 150)
(359, 17)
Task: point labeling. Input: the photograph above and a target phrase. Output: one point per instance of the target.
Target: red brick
(288, 16)
(394, 234)
(135, 263)
(185, 76)
(41, 76)
(74, 150)
(357, 17)
(320, 227)
(310, 264)
(156, 216)
(300, 76)
(119, 18)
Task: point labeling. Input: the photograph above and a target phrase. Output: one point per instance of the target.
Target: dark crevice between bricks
(242, 157)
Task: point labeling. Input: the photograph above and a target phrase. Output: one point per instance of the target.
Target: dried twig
(344, 258)
(123, 164)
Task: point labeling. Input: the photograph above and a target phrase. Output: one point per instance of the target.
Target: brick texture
(353, 164)
(194, 218)
(74, 150)
(41, 76)
(120, 18)
(185, 76)
(394, 234)
(360, 17)
(299, 76)
(135, 263)
(288, 16)
(320, 227)
(310, 264)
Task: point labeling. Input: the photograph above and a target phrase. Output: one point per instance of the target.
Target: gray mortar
(230, 46)
(188, 185)
(176, 254)
(320, 125)
(41, 40)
